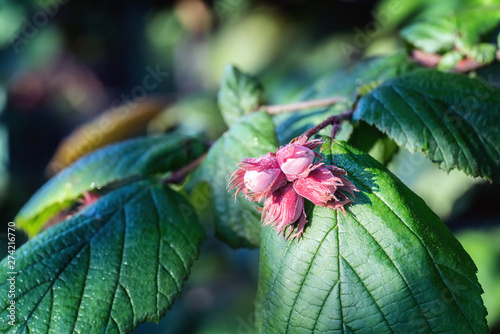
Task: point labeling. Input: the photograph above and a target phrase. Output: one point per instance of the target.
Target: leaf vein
(370, 294)
(395, 267)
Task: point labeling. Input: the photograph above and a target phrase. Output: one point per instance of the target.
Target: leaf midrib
(84, 245)
(434, 263)
(320, 243)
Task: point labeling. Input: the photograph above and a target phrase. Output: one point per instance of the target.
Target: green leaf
(389, 266)
(120, 162)
(441, 33)
(475, 22)
(237, 222)
(449, 60)
(120, 262)
(483, 53)
(239, 94)
(454, 120)
(432, 35)
(344, 84)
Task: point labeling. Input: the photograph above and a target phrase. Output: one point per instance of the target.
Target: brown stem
(277, 109)
(432, 60)
(467, 65)
(179, 175)
(334, 120)
(425, 58)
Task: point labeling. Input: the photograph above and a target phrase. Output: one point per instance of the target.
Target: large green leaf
(453, 119)
(346, 84)
(389, 266)
(120, 262)
(237, 222)
(239, 94)
(124, 161)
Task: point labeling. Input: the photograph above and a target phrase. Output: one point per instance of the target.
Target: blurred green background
(64, 63)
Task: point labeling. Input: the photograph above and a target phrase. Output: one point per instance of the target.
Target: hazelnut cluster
(285, 178)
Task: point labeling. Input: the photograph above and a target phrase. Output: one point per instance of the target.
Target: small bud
(261, 181)
(322, 185)
(282, 208)
(319, 187)
(87, 199)
(294, 160)
(257, 178)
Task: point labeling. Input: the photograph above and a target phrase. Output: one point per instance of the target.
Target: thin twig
(334, 120)
(426, 58)
(280, 108)
(467, 65)
(336, 127)
(179, 175)
(432, 60)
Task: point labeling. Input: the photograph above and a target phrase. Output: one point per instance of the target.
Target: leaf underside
(239, 94)
(454, 120)
(237, 222)
(120, 262)
(120, 162)
(388, 266)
